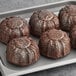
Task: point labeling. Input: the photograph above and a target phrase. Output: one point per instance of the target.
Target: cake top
(71, 9)
(54, 34)
(22, 42)
(44, 15)
(13, 22)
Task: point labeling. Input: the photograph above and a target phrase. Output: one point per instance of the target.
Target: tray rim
(42, 67)
(37, 69)
(33, 7)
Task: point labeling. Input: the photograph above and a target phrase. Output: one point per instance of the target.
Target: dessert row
(57, 35)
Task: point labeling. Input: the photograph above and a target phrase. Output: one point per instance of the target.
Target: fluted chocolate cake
(42, 21)
(54, 44)
(13, 27)
(22, 51)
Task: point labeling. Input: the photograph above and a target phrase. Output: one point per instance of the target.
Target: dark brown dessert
(73, 37)
(42, 21)
(22, 51)
(54, 44)
(67, 17)
(13, 27)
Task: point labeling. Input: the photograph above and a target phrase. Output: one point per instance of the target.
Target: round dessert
(67, 17)
(73, 37)
(13, 27)
(54, 44)
(42, 21)
(22, 51)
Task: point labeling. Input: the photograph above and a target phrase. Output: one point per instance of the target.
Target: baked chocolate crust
(67, 17)
(42, 21)
(22, 51)
(13, 27)
(54, 44)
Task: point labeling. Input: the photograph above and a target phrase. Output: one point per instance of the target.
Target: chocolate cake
(54, 44)
(22, 51)
(73, 37)
(67, 17)
(42, 21)
(13, 27)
